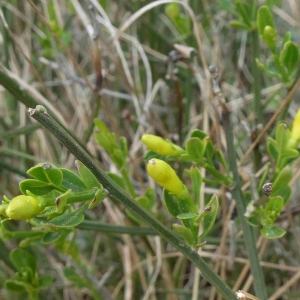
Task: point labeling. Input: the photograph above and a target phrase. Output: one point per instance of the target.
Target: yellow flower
(23, 207)
(165, 176)
(161, 146)
(295, 133)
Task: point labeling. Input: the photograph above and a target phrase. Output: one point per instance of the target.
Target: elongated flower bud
(165, 176)
(161, 146)
(295, 133)
(23, 207)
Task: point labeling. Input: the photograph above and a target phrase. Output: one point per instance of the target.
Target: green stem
(10, 167)
(117, 193)
(225, 179)
(108, 228)
(258, 111)
(256, 76)
(19, 131)
(95, 112)
(259, 282)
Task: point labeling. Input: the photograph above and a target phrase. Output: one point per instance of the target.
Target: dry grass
(128, 42)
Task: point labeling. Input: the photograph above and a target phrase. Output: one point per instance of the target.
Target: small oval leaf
(72, 181)
(272, 232)
(186, 216)
(36, 187)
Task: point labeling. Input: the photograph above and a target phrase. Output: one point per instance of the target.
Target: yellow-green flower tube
(23, 207)
(161, 146)
(165, 176)
(295, 133)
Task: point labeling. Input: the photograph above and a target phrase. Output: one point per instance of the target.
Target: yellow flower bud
(295, 133)
(165, 176)
(296, 127)
(23, 207)
(161, 146)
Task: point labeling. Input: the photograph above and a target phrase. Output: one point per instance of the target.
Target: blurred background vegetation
(116, 61)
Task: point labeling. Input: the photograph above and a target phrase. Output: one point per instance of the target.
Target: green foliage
(179, 20)
(245, 21)
(26, 278)
(59, 210)
(284, 62)
(265, 211)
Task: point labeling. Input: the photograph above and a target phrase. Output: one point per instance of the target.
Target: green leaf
(172, 10)
(75, 278)
(143, 201)
(243, 8)
(210, 217)
(264, 18)
(198, 134)
(50, 237)
(272, 232)
(66, 221)
(29, 241)
(253, 220)
(209, 149)
(62, 201)
(272, 148)
(282, 179)
(117, 179)
(23, 260)
(290, 154)
(261, 66)
(123, 146)
(282, 136)
(285, 192)
(289, 56)
(87, 176)
(269, 37)
(101, 126)
(286, 38)
(118, 157)
(45, 282)
(184, 232)
(186, 216)
(36, 187)
(100, 195)
(46, 172)
(274, 207)
(105, 138)
(150, 194)
(196, 184)
(220, 157)
(239, 25)
(171, 203)
(15, 285)
(72, 181)
(227, 5)
(194, 147)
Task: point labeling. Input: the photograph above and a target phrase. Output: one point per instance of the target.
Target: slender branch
(256, 270)
(256, 75)
(257, 88)
(108, 228)
(116, 192)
